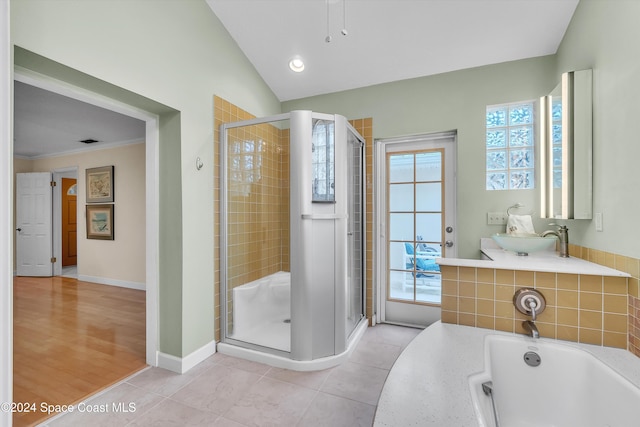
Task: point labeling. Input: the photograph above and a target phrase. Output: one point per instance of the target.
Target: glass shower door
(355, 233)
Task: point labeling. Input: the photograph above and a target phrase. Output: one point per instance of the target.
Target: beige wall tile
(590, 283)
(567, 333)
(485, 307)
(524, 278)
(612, 339)
(590, 301)
(545, 280)
(467, 319)
(590, 319)
(467, 274)
(485, 275)
(567, 299)
(485, 290)
(467, 289)
(591, 336)
(487, 322)
(505, 277)
(567, 316)
(502, 324)
(567, 281)
(615, 304)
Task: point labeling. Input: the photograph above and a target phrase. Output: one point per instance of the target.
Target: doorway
(416, 224)
(151, 188)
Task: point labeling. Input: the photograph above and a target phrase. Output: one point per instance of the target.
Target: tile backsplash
(599, 310)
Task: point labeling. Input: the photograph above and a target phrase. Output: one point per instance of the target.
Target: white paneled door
(33, 224)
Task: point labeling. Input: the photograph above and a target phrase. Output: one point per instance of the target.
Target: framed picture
(100, 222)
(99, 183)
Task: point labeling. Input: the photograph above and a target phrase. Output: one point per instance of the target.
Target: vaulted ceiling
(386, 40)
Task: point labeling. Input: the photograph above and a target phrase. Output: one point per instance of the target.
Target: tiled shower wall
(598, 310)
(259, 211)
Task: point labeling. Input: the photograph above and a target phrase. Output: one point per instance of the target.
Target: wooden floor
(72, 339)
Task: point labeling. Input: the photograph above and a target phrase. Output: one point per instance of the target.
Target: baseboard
(113, 282)
(181, 365)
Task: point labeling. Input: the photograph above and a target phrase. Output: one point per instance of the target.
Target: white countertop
(428, 385)
(545, 261)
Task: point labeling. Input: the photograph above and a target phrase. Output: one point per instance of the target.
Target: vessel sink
(523, 244)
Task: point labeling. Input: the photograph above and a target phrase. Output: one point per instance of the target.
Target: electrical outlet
(598, 218)
(496, 218)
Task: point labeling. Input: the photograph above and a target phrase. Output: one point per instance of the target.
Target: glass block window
(322, 158)
(510, 144)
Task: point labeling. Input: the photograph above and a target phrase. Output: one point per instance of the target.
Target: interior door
(417, 224)
(33, 224)
(69, 222)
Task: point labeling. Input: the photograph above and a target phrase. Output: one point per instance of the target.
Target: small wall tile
(485, 290)
(467, 274)
(485, 275)
(567, 281)
(505, 277)
(545, 280)
(590, 283)
(615, 304)
(467, 289)
(524, 278)
(591, 336)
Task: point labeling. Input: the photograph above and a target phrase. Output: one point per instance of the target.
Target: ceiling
(387, 40)
(46, 123)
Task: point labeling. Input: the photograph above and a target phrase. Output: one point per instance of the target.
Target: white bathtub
(262, 311)
(570, 387)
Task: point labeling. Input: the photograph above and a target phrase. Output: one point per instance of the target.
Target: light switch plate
(496, 218)
(598, 218)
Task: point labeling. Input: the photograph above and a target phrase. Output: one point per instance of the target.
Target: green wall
(176, 54)
(605, 36)
(450, 101)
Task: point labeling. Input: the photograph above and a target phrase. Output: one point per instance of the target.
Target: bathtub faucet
(530, 302)
(531, 328)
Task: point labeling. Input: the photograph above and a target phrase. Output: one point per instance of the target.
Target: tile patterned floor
(228, 392)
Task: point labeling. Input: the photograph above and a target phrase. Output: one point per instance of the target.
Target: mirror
(566, 148)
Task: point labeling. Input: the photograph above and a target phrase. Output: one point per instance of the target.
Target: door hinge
(53, 259)
(53, 183)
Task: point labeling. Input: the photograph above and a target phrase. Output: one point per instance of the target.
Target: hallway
(72, 339)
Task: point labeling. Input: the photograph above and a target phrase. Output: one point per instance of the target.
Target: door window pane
(401, 226)
(429, 166)
(401, 197)
(429, 197)
(401, 168)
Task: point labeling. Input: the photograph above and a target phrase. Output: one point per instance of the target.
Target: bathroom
(454, 100)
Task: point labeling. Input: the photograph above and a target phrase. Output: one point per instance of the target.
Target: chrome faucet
(531, 328)
(563, 236)
(530, 325)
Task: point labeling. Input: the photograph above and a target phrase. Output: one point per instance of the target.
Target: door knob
(448, 243)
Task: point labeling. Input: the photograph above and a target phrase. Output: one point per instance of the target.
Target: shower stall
(292, 248)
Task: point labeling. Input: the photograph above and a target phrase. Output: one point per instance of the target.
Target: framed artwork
(100, 222)
(99, 183)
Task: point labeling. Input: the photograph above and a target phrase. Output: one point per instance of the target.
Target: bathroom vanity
(543, 261)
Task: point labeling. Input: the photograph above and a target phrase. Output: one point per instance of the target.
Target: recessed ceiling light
(296, 65)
